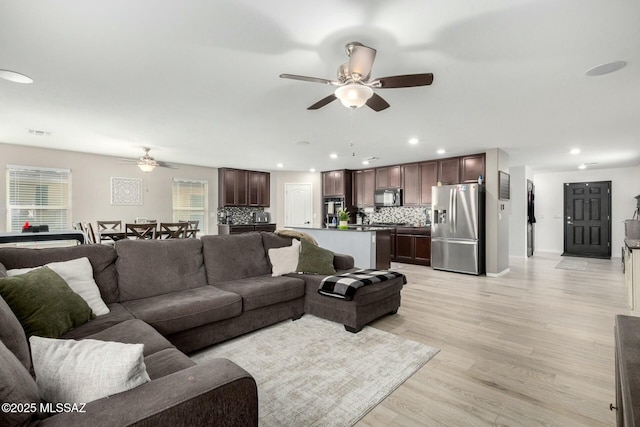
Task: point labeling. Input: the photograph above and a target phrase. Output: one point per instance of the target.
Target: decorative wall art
(126, 191)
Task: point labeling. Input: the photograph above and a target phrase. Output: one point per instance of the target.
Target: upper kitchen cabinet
(336, 184)
(449, 170)
(388, 177)
(235, 189)
(411, 184)
(428, 178)
(259, 191)
(364, 185)
(471, 167)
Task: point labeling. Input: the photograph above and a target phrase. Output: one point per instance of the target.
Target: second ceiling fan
(355, 88)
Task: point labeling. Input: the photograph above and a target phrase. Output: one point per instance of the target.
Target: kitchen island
(370, 247)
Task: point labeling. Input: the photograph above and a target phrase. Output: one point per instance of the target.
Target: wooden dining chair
(87, 228)
(108, 226)
(173, 230)
(142, 231)
(192, 229)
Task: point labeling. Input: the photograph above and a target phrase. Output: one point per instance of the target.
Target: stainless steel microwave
(388, 197)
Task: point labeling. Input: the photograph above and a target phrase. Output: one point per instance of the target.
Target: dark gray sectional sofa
(178, 296)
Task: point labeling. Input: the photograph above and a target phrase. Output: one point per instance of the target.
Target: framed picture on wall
(126, 191)
(504, 186)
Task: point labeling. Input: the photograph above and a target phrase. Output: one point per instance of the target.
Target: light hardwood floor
(533, 347)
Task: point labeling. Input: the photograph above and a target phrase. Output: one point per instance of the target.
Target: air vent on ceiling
(39, 132)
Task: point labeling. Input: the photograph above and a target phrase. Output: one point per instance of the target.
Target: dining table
(116, 235)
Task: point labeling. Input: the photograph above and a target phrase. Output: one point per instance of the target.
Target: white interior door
(298, 205)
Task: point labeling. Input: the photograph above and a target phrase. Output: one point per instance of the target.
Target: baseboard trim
(502, 273)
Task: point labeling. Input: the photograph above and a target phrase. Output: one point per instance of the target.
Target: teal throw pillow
(315, 260)
(43, 303)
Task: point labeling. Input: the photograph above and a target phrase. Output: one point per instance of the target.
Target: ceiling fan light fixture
(146, 166)
(354, 95)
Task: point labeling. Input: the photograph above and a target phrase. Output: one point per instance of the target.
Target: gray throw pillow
(43, 303)
(315, 260)
(82, 371)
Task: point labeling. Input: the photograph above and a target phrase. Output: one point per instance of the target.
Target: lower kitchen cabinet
(225, 229)
(413, 245)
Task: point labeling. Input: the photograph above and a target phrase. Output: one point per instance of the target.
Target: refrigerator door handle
(451, 216)
(454, 200)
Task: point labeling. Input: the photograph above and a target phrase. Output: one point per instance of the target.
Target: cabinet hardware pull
(611, 407)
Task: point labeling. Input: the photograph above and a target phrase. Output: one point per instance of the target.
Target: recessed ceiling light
(312, 170)
(12, 76)
(582, 166)
(602, 69)
(280, 165)
(365, 162)
(441, 151)
(333, 155)
(413, 141)
(575, 151)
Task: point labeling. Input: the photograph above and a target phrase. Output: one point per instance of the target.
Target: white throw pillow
(78, 274)
(71, 371)
(285, 260)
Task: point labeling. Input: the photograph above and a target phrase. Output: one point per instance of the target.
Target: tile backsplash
(240, 215)
(403, 214)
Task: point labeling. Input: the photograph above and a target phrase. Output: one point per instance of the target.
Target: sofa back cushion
(102, 258)
(147, 268)
(13, 336)
(235, 256)
(16, 386)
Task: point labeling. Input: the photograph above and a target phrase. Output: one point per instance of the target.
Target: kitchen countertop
(352, 227)
(632, 243)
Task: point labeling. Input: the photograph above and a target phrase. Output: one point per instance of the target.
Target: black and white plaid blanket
(345, 285)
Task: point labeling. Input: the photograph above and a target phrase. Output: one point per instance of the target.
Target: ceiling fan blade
(376, 103)
(361, 60)
(309, 79)
(324, 101)
(408, 80)
(166, 165)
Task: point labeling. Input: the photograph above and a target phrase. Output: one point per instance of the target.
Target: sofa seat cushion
(117, 314)
(165, 362)
(134, 332)
(182, 310)
(16, 386)
(264, 290)
(148, 268)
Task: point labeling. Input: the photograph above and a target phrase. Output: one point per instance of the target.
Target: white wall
(91, 184)
(625, 185)
(279, 179)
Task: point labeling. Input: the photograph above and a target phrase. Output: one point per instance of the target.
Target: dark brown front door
(587, 220)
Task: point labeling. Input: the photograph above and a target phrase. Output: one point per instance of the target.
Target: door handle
(307, 222)
(569, 222)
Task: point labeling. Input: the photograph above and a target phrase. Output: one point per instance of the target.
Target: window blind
(190, 201)
(40, 196)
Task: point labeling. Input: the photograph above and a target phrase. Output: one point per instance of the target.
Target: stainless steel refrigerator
(457, 228)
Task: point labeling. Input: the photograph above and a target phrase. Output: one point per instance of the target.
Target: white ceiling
(198, 80)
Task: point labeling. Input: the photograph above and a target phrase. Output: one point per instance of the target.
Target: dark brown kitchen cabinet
(388, 177)
(226, 229)
(428, 178)
(259, 191)
(413, 245)
(232, 187)
(449, 170)
(411, 185)
(238, 187)
(364, 187)
(471, 167)
(336, 183)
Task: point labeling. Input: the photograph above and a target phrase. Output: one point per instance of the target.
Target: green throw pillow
(314, 259)
(43, 303)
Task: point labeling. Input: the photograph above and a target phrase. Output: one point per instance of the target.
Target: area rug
(311, 372)
(573, 264)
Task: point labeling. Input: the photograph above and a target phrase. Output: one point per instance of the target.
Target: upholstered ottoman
(369, 303)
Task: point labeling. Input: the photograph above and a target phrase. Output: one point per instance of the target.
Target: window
(190, 201)
(40, 196)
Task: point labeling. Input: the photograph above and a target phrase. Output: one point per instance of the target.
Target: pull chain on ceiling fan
(354, 87)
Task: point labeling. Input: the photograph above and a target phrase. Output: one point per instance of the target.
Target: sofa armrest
(343, 262)
(217, 392)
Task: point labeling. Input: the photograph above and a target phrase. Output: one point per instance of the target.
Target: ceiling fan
(355, 88)
(147, 163)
